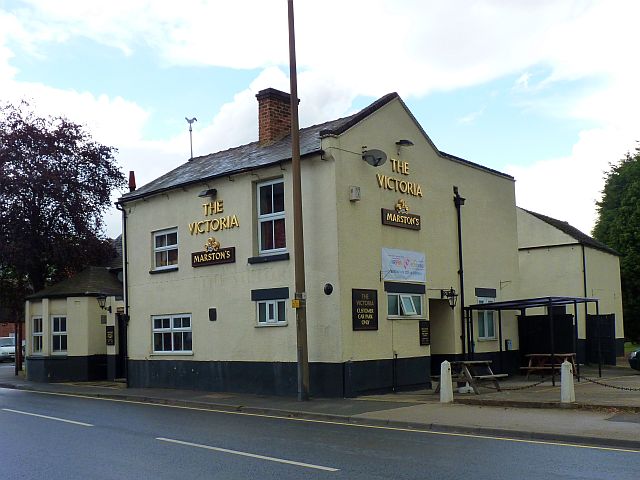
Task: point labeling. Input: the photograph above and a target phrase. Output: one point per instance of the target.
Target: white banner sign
(403, 266)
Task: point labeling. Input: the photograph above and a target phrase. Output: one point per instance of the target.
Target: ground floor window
(59, 334)
(404, 305)
(486, 322)
(172, 333)
(272, 312)
(36, 335)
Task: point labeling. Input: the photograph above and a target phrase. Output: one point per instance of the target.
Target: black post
(553, 353)
(458, 201)
(575, 337)
(599, 339)
(500, 339)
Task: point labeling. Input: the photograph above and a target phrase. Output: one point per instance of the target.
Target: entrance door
(121, 357)
(605, 328)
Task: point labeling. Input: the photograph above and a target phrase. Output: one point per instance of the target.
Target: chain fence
(607, 385)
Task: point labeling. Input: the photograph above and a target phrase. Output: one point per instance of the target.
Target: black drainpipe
(458, 201)
(125, 287)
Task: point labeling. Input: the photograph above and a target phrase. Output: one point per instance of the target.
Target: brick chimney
(274, 115)
(132, 181)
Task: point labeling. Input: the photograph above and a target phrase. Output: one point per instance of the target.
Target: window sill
(268, 258)
(415, 317)
(487, 339)
(267, 325)
(164, 270)
(171, 354)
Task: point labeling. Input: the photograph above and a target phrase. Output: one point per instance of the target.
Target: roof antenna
(190, 122)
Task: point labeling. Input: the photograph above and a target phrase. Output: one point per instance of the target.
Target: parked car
(634, 359)
(7, 348)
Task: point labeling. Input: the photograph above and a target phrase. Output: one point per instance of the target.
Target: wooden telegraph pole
(299, 301)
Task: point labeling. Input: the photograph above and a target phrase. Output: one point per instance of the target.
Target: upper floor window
(271, 218)
(165, 249)
(486, 323)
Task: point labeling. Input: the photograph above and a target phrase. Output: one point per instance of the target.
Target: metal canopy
(522, 305)
(525, 303)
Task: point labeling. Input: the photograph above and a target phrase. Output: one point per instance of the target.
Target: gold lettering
(418, 190)
(192, 228)
(215, 224)
(234, 222)
(201, 225)
(223, 223)
(381, 180)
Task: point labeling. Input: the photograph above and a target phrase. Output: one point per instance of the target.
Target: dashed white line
(48, 417)
(252, 455)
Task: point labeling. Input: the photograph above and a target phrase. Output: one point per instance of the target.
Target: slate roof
(573, 232)
(253, 155)
(90, 282)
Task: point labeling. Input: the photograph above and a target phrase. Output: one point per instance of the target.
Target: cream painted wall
(85, 333)
(489, 227)
(558, 270)
(533, 232)
(235, 335)
(603, 282)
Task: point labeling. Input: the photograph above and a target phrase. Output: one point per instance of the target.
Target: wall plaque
(364, 309)
(111, 335)
(425, 332)
(213, 255)
(400, 217)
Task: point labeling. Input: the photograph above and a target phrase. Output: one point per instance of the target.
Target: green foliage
(618, 226)
(55, 185)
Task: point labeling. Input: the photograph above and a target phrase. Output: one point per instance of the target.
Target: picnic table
(546, 362)
(473, 372)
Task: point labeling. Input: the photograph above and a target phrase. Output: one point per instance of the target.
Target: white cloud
(414, 47)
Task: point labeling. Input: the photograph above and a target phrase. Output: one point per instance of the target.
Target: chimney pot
(132, 181)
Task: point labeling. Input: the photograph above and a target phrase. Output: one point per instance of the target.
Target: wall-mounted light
(450, 295)
(403, 143)
(102, 301)
(211, 192)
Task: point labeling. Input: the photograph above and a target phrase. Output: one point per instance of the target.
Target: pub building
(388, 218)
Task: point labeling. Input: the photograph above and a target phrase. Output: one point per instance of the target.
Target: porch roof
(525, 303)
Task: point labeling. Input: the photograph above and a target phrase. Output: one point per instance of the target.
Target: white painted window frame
(269, 217)
(172, 329)
(37, 336)
(406, 305)
(486, 318)
(275, 318)
(166, 248)
(59, 333)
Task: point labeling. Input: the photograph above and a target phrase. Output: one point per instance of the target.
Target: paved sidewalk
(601, 416)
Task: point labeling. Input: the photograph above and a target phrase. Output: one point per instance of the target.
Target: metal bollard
(567, 390)
(446, 385)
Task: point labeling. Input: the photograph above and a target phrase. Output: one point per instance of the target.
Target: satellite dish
(375, 158)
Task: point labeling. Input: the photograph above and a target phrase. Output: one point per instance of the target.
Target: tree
(618, 226)
(55, 185)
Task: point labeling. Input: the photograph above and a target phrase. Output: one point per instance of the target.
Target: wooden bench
(541, 363)
(472, 372)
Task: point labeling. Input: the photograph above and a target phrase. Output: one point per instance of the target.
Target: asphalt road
(45, 436)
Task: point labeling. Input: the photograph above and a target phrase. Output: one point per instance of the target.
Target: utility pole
(299, 301)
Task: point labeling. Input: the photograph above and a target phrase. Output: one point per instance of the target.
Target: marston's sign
(213, 255)
(400, 217)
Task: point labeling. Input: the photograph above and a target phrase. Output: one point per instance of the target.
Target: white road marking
(345, 424)
(48, 418)
(252, 455)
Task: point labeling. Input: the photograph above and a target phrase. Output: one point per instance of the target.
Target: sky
(544, 90)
